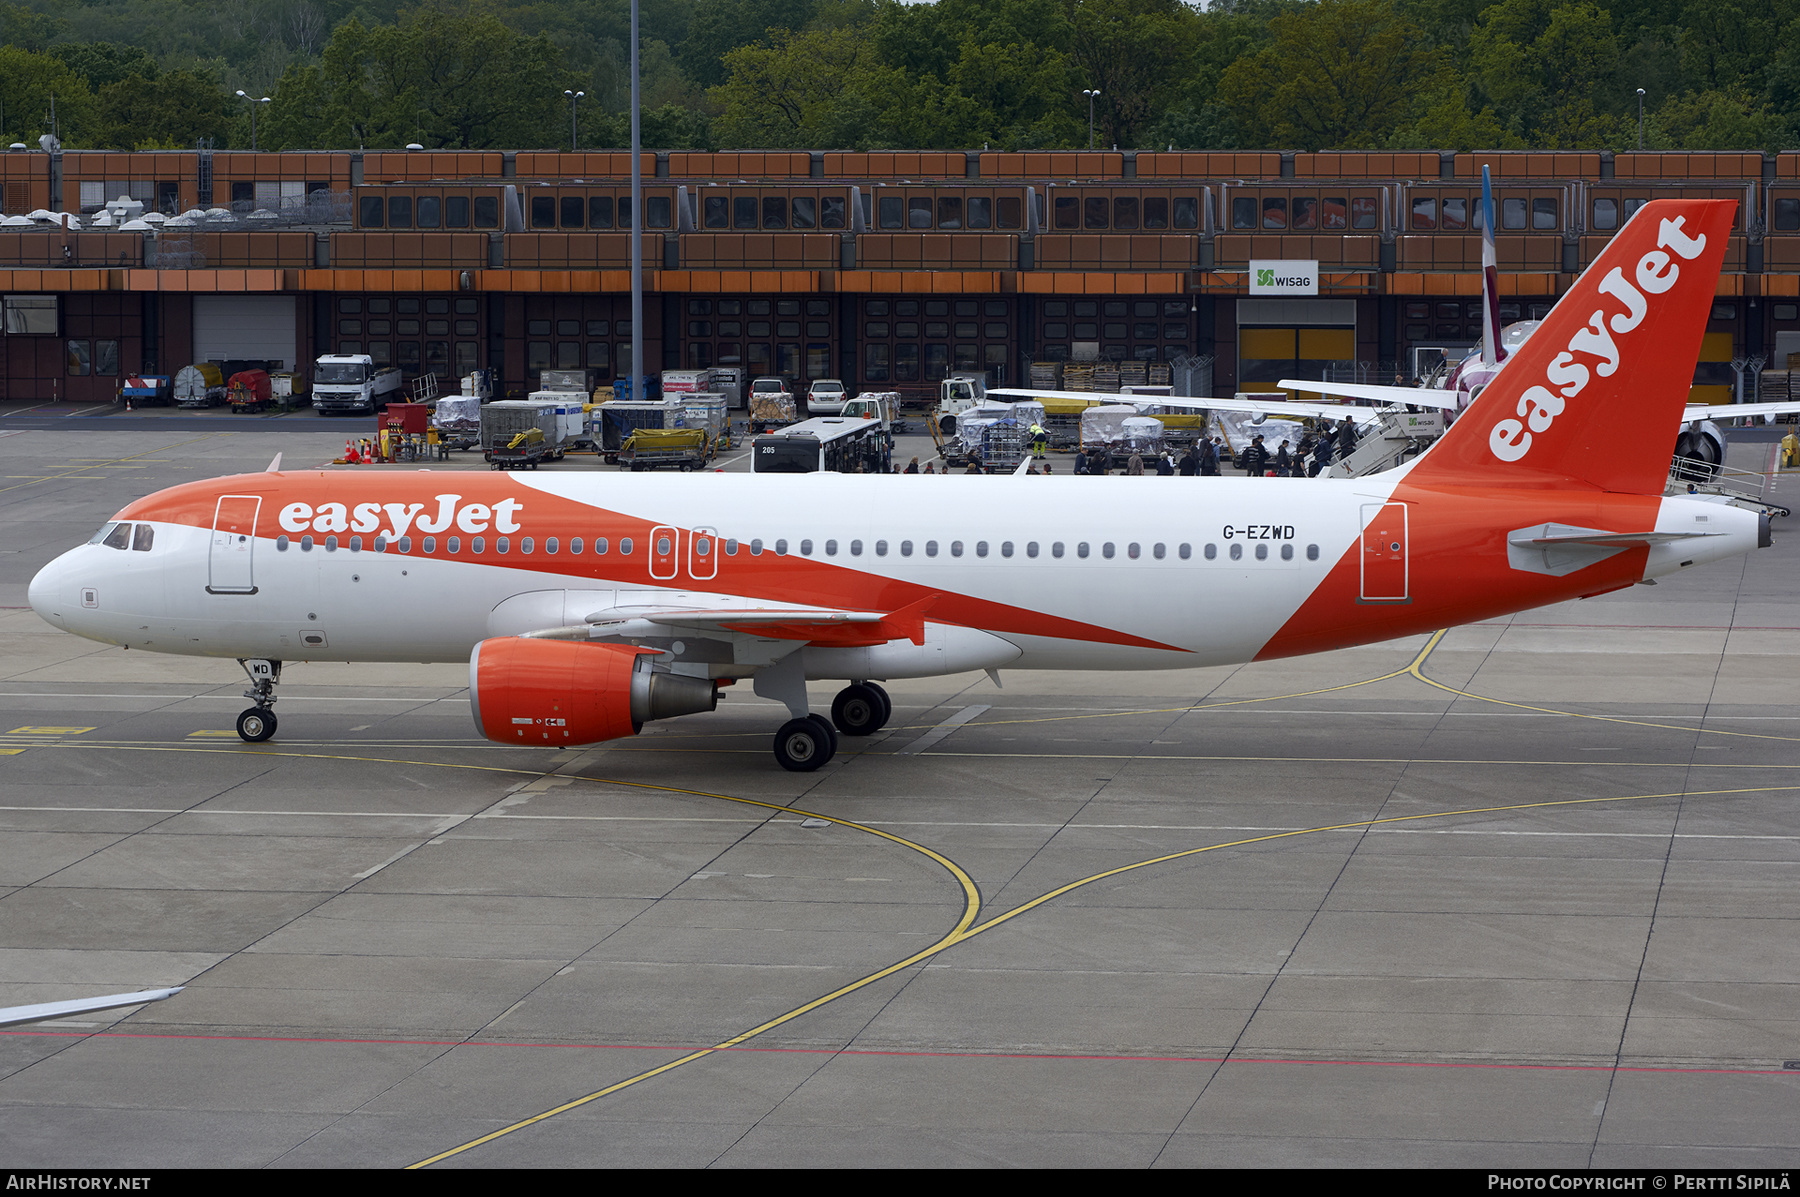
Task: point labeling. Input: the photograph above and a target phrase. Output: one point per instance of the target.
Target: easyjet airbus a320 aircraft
(587, 604)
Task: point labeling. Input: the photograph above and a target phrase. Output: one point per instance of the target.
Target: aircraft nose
(49, 592)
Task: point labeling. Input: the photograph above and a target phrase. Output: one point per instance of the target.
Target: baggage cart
(654, 448)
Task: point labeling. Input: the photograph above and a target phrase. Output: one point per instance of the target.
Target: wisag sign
(1273, 276)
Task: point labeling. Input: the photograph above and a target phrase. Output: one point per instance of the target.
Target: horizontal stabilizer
(12, 1016)
(1731, 411)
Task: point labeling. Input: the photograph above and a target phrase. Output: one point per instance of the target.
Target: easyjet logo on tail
(1656, 272)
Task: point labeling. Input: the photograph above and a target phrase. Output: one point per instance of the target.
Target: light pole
(1640, 119)
(1092, 96)
(253, 103)
(574, 98)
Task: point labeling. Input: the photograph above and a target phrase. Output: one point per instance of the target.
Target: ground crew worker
(1790, 451)
(1040, 440)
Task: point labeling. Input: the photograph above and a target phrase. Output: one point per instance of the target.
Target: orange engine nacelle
(529, 691)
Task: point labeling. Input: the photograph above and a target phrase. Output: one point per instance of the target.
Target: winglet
(274, 466)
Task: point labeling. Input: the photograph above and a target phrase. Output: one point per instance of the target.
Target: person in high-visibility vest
(1790, 450)
(1040, 440)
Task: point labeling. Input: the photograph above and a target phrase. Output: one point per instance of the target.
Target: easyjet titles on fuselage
(1510, 439)
(366, 517)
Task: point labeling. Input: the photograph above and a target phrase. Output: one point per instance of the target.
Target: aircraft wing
(824, 626)
(1276, 404)
(1417, 396)
(1728, 411)
(12, 1016)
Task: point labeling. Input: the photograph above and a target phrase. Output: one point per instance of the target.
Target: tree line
(882, 74)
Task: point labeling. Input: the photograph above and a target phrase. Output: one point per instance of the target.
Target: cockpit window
(100, 536)
(119, 537)
(145, 537)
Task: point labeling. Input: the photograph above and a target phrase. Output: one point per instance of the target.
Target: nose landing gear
(258, 723)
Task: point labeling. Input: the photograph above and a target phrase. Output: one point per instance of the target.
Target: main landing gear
(258, 723)
(860, 709)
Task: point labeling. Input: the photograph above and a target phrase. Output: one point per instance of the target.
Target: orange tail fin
(1594, 397)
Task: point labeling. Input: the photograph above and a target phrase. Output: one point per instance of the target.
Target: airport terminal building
(888, 270)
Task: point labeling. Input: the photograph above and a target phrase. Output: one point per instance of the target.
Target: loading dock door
(245, 327)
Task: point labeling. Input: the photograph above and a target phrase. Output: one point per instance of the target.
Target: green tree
(1134, 52)
(445, 80)
(1345, 74)
(32, 86)
(176, 108)
(29, 30)
(1550, 72)
(101, 63)
(797, 92)
(720, 26)
(1717, 120)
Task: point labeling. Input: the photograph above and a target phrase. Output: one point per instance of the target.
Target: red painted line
(833, 1051)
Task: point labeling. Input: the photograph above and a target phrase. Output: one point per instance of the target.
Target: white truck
(350, 382)
(881, 406)
(957, 394)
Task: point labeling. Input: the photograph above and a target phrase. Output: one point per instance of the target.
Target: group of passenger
(1203, 459)
(1307, 459)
